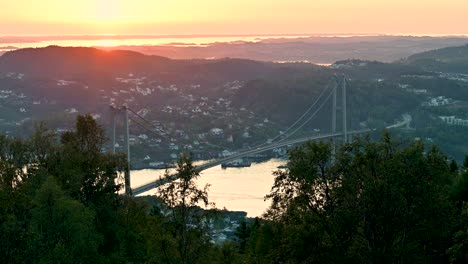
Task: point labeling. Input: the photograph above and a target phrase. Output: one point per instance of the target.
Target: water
(236, 189)
(109, 41)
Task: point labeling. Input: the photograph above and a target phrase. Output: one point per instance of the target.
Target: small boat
(161, 165)
(285, 166)
(236, 164)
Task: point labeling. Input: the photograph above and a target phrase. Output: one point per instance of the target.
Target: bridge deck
(156, 183)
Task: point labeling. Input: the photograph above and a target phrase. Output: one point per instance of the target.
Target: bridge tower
(122, 111)
(342, 84)
(114, 113)
(128, 189)
(344, 109)
(334, 105)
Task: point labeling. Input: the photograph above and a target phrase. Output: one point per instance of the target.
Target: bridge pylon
(122, 111)
(344, 109)
(340, 83)
(114, 112)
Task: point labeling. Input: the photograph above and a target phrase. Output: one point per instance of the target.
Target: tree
(15, 203)
(460, 190)
(62, 228)
(15, 157)
(43, 142)
(374, 202)
(242, 234)
(182, 197)
(132, 224)
(83, 171)
(453, 166)
(459, 250)
(88, 136)
(86, 174)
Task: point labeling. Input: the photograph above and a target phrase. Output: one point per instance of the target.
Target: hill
(249, 100)
(54, 61)
(319, 49)
(451, 59)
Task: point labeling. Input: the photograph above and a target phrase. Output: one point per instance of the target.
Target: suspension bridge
(283, 139)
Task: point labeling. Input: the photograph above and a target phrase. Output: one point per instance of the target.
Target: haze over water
(11, 43)
(236, 189)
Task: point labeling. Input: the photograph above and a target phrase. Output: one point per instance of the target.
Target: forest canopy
(367, 202)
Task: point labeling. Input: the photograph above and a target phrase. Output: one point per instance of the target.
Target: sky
(191, 17)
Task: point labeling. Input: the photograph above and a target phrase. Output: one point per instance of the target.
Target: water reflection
(236, 189)
(115, 42)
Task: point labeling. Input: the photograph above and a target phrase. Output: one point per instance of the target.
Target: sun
(107, 11)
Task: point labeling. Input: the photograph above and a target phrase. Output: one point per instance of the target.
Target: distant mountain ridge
(54, 82)
(58, 61)
(450, 54)
(70, 62)
(322, 50)
(315, 49)
(91, 71)
(451, 59)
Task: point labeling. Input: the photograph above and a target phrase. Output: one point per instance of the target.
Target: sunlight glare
(107, 43)
(107, 11)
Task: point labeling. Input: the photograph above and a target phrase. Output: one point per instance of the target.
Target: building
(453, 121)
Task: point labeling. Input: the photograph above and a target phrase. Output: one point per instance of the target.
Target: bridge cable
(307, 111)
(145, 127)
(138, 115)
(300, 118)
(310, 118)
(283, 133)
(149, 123)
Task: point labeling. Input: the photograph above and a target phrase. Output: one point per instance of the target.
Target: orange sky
(77, 17)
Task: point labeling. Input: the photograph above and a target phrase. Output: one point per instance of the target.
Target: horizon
(9, 43)
(306, 35)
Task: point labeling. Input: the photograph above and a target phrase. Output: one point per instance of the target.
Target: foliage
(368, 202)
(459, 251)
(182, 197)
(62, 228)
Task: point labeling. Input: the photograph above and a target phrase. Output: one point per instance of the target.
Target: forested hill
(449, 54)
(93, 76)
(70, 62)
(451, 59)
(55, 61)
(53, 84)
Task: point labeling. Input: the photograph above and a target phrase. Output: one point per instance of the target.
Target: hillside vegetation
(371, 202)
(242, 97)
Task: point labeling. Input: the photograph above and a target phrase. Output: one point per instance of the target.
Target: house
(188, 146)
(226, 153)
(71, 110)
(437, 101)
(452, 120)
(156, 164)
(217, 131)
(173, 146)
